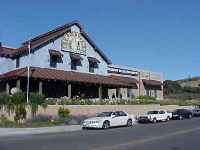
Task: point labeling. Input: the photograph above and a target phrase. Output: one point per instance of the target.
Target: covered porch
(57, 83)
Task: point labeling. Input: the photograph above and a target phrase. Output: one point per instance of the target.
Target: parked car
(182, 113)
(106, 120)
(196, 112)
(155, 116)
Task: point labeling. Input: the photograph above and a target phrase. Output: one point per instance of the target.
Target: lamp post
(28, 72)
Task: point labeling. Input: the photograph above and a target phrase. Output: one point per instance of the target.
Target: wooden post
(100, 92)
(7, 88)
(69, 90)
(18, 84)
(40, 87)
(118, 92)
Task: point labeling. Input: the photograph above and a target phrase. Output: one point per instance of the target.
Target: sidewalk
(27, 131)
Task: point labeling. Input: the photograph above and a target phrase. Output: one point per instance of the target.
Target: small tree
(36, 100)
(63, 112)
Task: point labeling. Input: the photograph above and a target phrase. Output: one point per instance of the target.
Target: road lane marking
(142, 141)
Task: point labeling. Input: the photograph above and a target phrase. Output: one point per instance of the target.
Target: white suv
(155, 116)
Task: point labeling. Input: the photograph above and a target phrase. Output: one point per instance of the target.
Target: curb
(34, 131)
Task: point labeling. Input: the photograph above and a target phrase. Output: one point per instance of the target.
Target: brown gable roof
(7, 52)
(46, 37)
(52, 74)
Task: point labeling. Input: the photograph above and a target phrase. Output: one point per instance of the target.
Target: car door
(123, 118)
(161, 115)
(114, 120)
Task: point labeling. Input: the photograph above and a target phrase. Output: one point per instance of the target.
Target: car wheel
(180, 117)
(190, 116)
(106, 125)
(84, 128)
(129, 123)
(154, 120)
(168, 118)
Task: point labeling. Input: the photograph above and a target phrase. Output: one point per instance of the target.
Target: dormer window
(93, 63)
(75, 61)
(55, 57)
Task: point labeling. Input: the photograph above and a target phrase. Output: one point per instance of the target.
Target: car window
(161, 112)
(152, 112)
(116, 114)
(121, 113)
(104, 114)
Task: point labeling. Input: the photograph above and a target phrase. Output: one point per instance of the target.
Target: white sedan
(105, 120)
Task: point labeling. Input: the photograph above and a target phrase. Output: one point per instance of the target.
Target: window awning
(93, 60)
(75, 57)
(151, 82)
(55, 53)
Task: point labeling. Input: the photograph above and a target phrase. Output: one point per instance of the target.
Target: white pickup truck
(155, 116)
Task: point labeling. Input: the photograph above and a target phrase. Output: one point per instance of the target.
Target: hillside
(190, 82)
(182, 89)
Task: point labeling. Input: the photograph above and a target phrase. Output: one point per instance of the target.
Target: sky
(158, 35)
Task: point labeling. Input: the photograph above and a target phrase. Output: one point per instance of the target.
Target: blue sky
(158, 35)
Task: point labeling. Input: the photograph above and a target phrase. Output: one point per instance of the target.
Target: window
(93, 63)
(91, 67)
(55, 57)
(75, 61)
(17, 62)
(53, 61)
(74, 65)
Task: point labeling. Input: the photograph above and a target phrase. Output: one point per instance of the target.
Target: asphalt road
(173, 135)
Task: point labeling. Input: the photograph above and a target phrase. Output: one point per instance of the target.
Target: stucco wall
(91, 110)
(6, 64)
(41, 58)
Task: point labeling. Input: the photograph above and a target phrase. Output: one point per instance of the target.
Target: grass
(30, 124)
(34, 124)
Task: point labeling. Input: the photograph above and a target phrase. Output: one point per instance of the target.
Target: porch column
(100, 92)
(118, 92)
(7, 88)
(40, 87)
(69, 90)
(18, 84)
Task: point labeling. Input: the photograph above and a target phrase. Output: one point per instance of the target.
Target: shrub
(146, 98)
(20, 114)
(35, 100)
(63, 112)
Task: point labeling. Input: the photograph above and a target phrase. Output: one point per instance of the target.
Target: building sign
(122, 71)
(74, 42)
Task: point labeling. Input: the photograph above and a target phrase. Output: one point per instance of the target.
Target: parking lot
(176, 134)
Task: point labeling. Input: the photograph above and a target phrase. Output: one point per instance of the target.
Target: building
(66, 62)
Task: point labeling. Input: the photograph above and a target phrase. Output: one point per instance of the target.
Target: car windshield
(152, 112)
(104, 114)
(179, 110)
